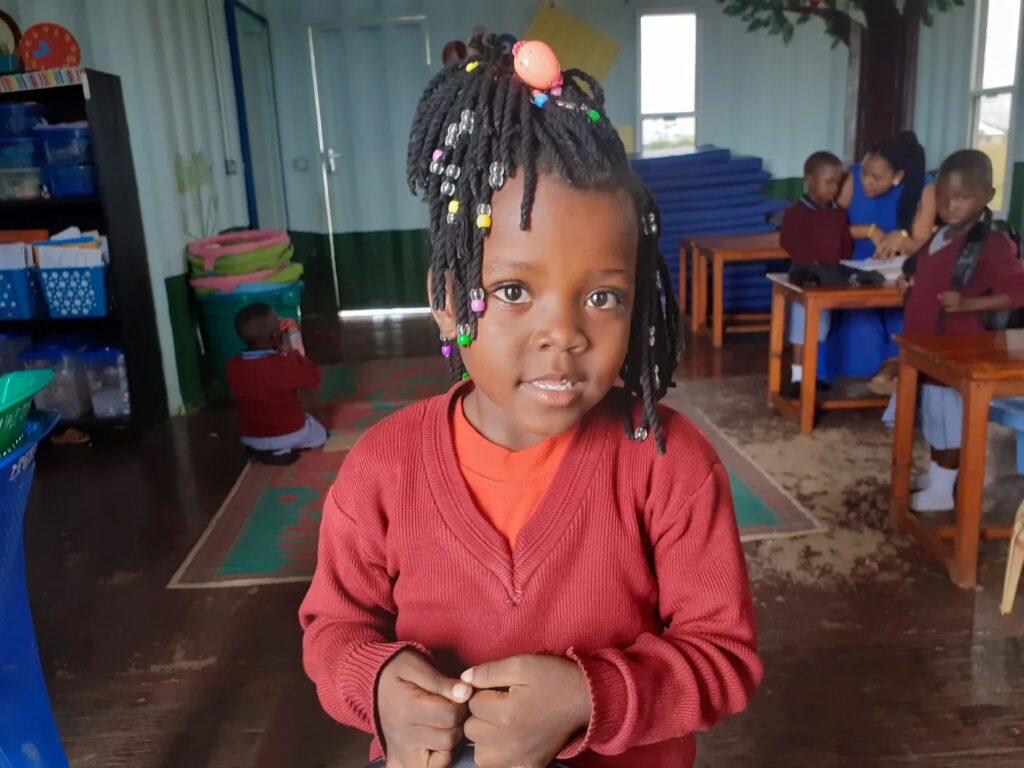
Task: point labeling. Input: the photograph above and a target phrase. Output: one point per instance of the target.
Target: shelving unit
(85, 94)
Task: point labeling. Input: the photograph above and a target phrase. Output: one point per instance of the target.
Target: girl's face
(877, 176)
(961, 199)
(559, 300)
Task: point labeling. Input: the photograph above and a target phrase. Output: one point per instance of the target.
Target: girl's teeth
(554, 386)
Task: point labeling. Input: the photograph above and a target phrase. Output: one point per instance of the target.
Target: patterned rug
(266, 530)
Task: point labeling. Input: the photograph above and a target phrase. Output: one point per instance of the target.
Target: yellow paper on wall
(576, 43)
(626, 134)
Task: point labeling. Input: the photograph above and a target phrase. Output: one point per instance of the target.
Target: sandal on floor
(71, 437)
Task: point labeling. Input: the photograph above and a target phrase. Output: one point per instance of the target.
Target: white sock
(938, 495)
(923, 480)
(796, 373)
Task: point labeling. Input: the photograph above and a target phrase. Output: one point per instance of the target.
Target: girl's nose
(561, 329)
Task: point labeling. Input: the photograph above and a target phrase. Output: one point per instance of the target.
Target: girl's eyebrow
(509, 264)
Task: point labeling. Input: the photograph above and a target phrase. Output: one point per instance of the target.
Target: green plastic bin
(217, 317)
(16, 393)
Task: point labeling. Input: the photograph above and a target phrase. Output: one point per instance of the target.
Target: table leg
(684, 252)
(699, 268)
(973, 444)
(812, 321)
(903, 443)
(717, 306)
(776, 341)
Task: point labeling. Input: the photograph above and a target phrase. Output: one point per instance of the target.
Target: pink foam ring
(438, 154)
(209, 249)
(537, 65)
(228, 283)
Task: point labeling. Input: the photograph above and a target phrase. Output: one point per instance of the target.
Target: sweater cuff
(609, 702)
(360, 672)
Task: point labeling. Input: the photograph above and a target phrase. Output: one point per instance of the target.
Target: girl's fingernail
(460, 691)
(467, 676)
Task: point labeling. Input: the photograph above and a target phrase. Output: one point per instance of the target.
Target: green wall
(784, 189)
(194, 383)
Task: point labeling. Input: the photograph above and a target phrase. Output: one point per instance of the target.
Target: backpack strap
(967, 261)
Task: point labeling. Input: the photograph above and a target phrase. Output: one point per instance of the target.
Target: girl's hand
(547, 702)
(904, 284)
(421, 712)
(952, 301)
(890, 246)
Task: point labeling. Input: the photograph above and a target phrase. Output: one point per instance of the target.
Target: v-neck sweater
(506, 486)
(631, 567)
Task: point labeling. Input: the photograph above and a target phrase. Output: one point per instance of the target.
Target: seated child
(964, 190)
(815, 231)
(264, 380)
(515, 563)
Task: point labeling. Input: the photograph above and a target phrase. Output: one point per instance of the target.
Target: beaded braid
(476, 124)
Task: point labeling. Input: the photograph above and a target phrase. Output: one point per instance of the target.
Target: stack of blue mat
(710, 192)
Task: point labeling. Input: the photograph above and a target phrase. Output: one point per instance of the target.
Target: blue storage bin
(75, 291)
(28, 731)
(19, 151)
(20, 119)
(69, 144)
(70, 180)
(20, 294)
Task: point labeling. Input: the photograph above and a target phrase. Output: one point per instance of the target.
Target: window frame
(977, 92)
(638, 140)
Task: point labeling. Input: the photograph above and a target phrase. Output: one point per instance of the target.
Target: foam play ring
(260, 259)
(209, 249)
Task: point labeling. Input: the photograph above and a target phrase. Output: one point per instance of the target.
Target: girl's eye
(512, 294)
(605, 300)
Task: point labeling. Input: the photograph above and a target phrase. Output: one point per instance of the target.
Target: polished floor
(863, 672)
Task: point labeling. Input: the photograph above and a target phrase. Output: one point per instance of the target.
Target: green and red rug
(266, 530)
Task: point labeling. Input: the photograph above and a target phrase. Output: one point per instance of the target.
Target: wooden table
(814, 301)
(719, 250)
(980, 368)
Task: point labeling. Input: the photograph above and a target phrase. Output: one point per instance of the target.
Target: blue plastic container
(21, 298)
(28, 732)
(75, 291)
(19, 151)
(70, 180)
(68, 144)
(19, 119)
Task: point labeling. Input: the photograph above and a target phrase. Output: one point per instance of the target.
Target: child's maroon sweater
(631, 567)
(999, 271)
(265, 385)
(815, 235)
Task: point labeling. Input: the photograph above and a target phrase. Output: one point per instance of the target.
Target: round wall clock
(49, 46)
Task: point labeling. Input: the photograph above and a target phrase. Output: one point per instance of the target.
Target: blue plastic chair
(28, 733)
(1009, 412)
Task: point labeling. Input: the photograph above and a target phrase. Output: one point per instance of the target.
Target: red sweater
(631, 567)
(266, 390)
(815, 235)
(999, 272)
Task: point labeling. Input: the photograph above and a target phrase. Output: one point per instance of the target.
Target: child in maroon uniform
(815, 231)
(963, 192)
(265, 380)
(608, 619)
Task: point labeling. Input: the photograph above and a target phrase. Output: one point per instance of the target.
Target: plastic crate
(75, 291)
(66, 143)
(20, 295)
(19, 118)
(19, 152)
(70, 180)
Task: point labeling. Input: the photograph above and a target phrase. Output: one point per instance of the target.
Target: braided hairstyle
(478, 123)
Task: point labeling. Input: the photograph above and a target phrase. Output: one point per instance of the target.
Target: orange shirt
(506, 486)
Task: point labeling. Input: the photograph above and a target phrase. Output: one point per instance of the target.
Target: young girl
(542, 562)
(891, 203)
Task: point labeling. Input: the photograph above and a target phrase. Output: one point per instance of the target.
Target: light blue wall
(755, 95)
(942, 106)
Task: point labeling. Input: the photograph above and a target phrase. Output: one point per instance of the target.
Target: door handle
(331, 160)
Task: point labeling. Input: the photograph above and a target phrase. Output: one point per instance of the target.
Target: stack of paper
(891, 269)
(72, 248)
(15, 255)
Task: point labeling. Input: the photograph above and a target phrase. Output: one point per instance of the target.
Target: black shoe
(274, 458)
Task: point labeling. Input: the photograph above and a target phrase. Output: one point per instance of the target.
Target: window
(668, 81)
(995, 70)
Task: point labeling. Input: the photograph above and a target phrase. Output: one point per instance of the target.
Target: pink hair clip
(537, 65)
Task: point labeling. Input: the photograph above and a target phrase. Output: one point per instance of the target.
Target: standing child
(540, 562)
(935, 305)
(265, 381)
(815, 231)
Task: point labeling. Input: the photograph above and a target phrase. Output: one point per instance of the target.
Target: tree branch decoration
(196, 191)
(782, 17)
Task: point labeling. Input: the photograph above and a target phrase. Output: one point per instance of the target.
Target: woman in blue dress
(891, 203)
